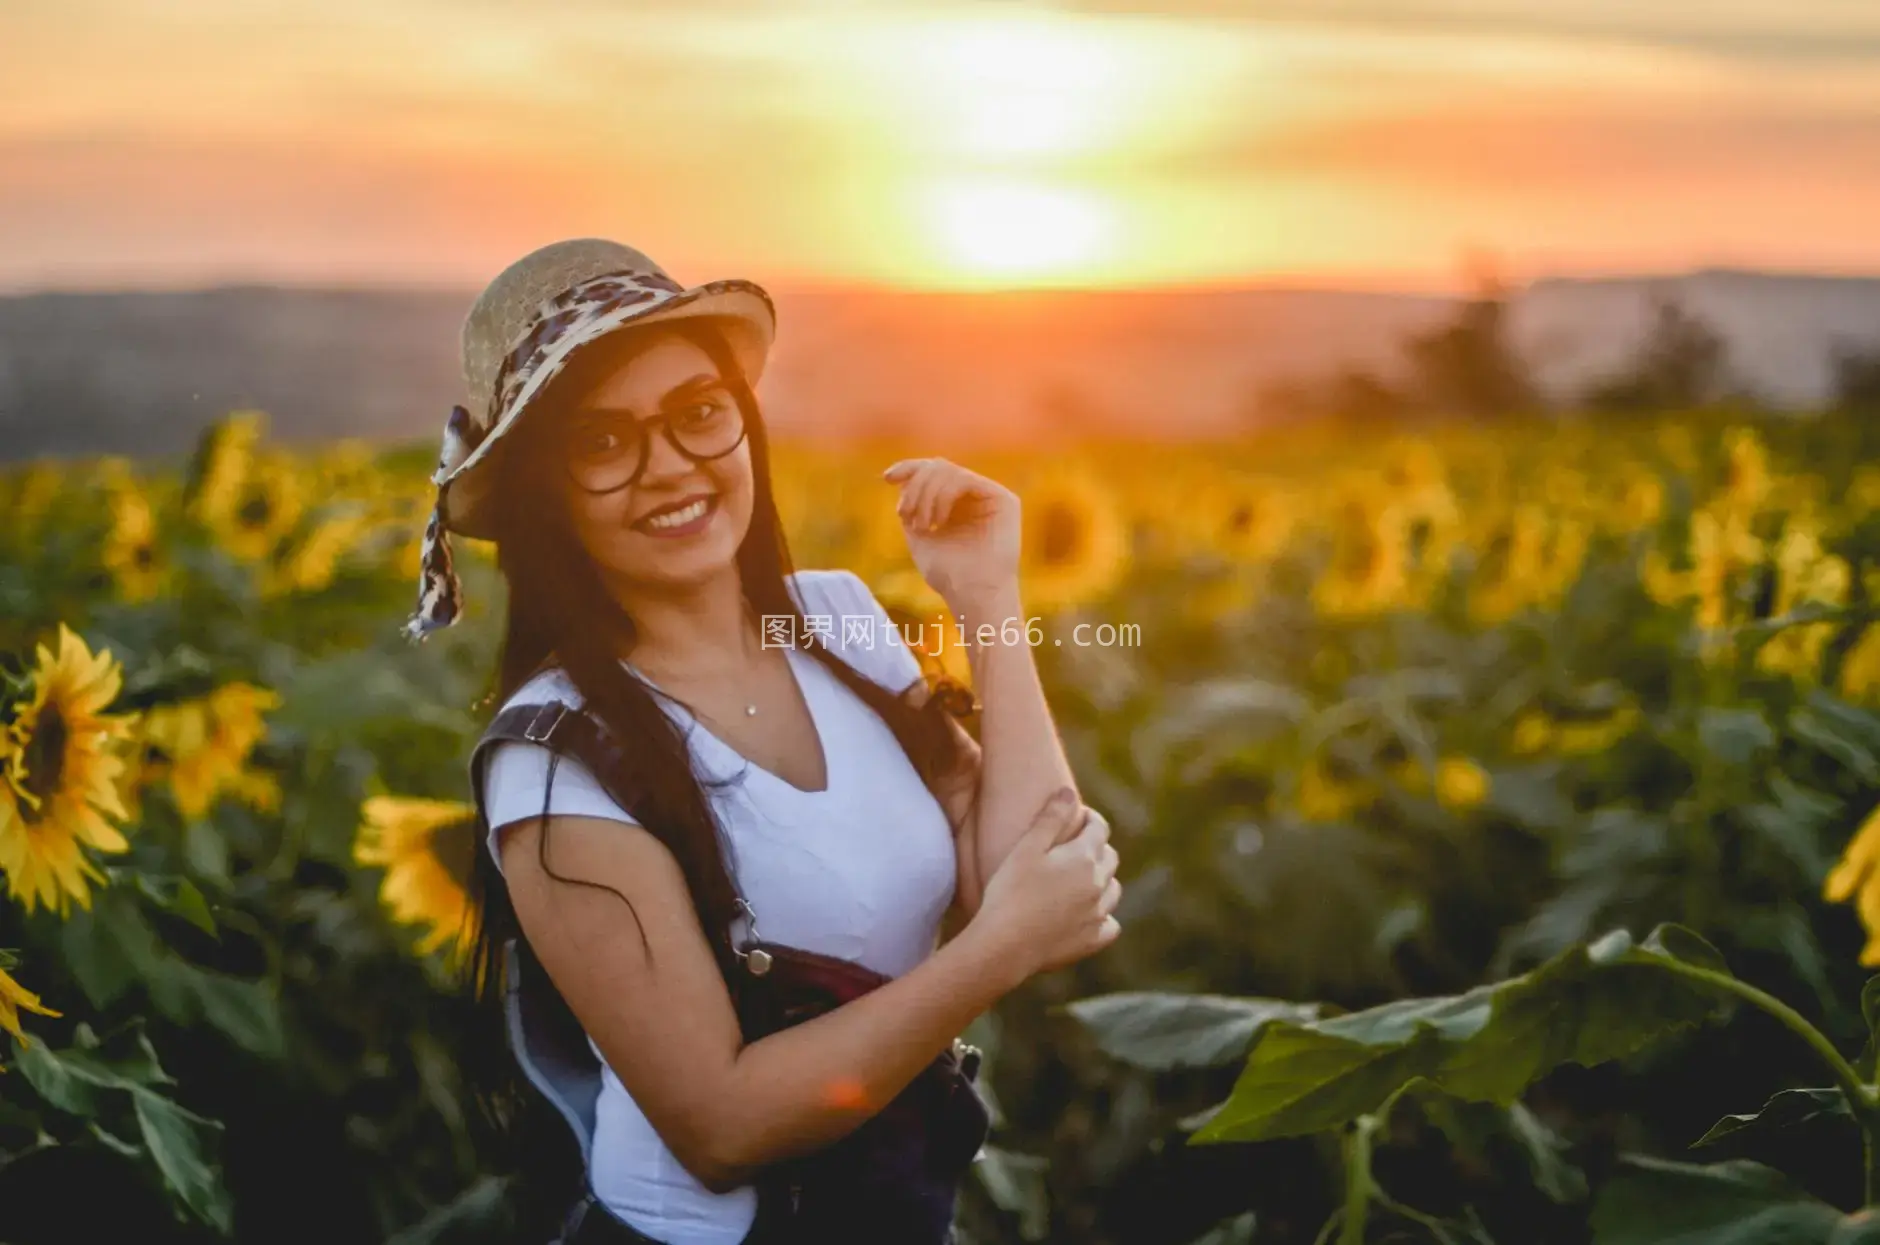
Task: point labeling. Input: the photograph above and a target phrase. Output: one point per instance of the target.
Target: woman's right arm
(663, 1018)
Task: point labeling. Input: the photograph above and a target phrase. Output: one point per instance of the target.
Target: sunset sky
(948, 144)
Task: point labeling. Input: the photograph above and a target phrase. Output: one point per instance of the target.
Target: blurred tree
(1683, 363)
(1468, 366)
(1857, 378)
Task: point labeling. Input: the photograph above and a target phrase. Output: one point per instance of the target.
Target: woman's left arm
(964, 532)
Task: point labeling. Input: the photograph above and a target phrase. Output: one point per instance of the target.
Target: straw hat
(520, 333)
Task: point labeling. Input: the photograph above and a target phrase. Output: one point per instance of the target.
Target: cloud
(1801, 33)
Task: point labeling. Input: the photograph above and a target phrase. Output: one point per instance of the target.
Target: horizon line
(1279, 283)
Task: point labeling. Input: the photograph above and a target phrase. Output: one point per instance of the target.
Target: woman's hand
(1050, 902)
(962, 529)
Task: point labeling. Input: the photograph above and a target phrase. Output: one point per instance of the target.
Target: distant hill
(142, 372)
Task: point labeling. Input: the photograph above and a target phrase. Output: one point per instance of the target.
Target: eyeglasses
(607, 452)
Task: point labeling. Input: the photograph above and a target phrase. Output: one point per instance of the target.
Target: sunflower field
(1497, 803)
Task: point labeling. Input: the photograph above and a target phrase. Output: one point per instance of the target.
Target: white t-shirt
(863, 869)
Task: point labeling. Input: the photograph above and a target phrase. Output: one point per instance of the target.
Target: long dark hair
(560, 615)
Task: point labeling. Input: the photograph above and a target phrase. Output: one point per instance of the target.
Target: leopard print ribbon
(440, 594)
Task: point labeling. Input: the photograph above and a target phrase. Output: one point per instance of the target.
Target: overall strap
(572, 731)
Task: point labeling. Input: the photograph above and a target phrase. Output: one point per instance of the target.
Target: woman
(820, 782)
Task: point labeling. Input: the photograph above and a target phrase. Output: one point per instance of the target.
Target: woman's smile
(688, 516)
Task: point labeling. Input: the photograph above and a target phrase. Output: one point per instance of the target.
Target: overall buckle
(542, 726)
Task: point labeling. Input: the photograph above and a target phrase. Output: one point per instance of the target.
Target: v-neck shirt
(862, 869)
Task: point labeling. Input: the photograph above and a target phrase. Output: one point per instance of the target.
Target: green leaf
(179, 897)
(1832, 737)
(473, 1214)
(1792, 824)
(1235, 1231)
(1787, 1109)
(1164, 1031)
(1588, 1005)
(247, 1011)
(1870, 1012)
(73, 1079)
(1654, 1202)
(179, 1141)
(1733, 735)
(1016, 1184)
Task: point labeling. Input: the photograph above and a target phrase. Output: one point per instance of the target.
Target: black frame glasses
(642, 431)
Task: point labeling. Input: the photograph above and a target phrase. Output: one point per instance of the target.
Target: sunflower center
(1240, 519)
(45, 758)
(254, 511)
(1060, 535)
(144, 557)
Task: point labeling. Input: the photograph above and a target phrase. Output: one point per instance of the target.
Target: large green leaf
(1654, 1202)
(179, 1142)
(1789, 1109)
(83, 1081)
(1016, 1184)
(1733, 735)
(1588, 1005)
(1164, 1031)
(1838, 734)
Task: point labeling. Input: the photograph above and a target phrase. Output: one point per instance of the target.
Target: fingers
(1059, 813)
(930, 489)
(941, 499)
(1112, 895)
(902, 470)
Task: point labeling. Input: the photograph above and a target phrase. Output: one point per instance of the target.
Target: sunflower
(1076, 542)
(61, 777)
(264, 508)
(308, 566)
(346, 468)
(1636, 505)
(1530, 559)
(247, 499)
(1235, 517)
(31, 493)
(14, 999)
(204, 745)
(1368, 572)
(130, 549)
(1860, 668)
(1325, 796)
(426, 848)
(1460, 782)
(1804, 575)
(1745, 479)
(223, 461)
(1857, 877)
(1723, 549)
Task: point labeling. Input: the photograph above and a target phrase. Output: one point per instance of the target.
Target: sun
(1009, 228)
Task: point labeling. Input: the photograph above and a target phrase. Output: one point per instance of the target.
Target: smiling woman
(654, 746)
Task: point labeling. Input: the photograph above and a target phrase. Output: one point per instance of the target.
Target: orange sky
(949, 144)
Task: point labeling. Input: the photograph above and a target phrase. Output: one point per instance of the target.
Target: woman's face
(680, 521)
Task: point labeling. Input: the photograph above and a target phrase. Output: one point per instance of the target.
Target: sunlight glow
(1010, 228)
(1015, 87)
